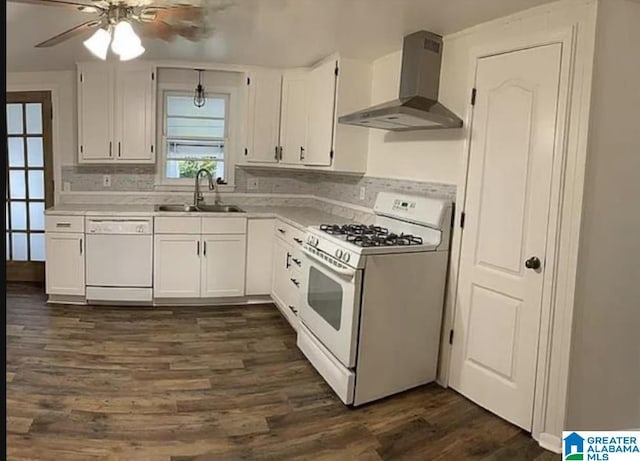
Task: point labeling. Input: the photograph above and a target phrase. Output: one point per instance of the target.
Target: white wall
(62, 85)
(420, 155)
(604, 386)
(439, 155)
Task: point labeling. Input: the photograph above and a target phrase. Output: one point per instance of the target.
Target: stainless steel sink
(219, 209)
(201, 208)
(175, 208)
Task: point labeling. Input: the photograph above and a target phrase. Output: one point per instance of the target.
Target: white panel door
(264, 116)
(177, 266)
(499, 300)
(95, 112)
(321, 110)
(135, 112)
(259, 256)
(293, 121)
(64, 255)
(223, 265)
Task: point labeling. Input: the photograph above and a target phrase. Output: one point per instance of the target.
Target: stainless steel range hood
(417, 107)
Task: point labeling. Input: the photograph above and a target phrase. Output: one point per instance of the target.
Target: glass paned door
(29, 182)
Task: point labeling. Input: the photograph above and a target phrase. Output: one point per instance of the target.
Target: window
(194, 137)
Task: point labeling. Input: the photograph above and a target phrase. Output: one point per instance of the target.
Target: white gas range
(373, 295)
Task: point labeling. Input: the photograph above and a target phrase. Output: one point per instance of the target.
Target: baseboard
(212, 302)
(66, 299)
(550, 442)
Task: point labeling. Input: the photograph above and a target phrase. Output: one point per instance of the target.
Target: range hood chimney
(417, 107)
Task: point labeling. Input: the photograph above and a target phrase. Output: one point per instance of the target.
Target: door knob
(533, 263)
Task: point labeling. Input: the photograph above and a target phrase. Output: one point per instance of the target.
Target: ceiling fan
(163, 20)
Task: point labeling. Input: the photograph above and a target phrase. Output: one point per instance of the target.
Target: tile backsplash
(335, 186)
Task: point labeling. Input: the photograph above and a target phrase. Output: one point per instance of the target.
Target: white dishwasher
(119, 259)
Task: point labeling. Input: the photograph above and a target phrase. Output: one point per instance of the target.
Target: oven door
(330, 306)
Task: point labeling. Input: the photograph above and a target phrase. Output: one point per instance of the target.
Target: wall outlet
(252, 184)
(66, 186)
(106, 180)
(363, 193)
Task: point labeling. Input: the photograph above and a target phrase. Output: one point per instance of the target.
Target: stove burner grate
(370, 236)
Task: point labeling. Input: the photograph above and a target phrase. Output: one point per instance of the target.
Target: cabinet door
(281, 262)
(263, 116)
(321, 110)
(95, 112)
(135, 113)
(65, 264)
(177, 266)
(223, 265)
(293, 120)
(259, 256)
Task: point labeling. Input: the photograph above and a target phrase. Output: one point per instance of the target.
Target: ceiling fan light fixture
(126, 43)
(132, 53)
(98, 43)
(199, 95)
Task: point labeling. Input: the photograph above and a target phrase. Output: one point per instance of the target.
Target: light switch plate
(106, 180)
(252, 184)
(363, 193)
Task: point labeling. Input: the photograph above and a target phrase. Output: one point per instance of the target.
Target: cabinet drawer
(177, 225)
(64, 224)
(296, 261)
(224, 225)
(289, 233)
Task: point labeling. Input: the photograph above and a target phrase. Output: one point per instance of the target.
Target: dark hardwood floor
(88, 383)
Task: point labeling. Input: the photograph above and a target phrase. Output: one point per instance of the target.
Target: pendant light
(199, 96)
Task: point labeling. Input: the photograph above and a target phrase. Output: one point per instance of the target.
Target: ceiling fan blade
(80, 29)
(157, 29)
(168, 32)
(180, 13)
(63, 3)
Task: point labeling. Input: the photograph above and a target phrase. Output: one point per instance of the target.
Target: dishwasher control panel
(142, 226)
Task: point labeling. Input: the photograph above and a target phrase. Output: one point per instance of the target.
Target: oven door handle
(347, 272)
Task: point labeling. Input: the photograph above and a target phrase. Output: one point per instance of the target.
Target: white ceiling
(278, 33)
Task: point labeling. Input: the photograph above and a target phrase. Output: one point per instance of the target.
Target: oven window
(325, 297)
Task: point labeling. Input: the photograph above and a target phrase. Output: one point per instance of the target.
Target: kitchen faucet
(197, 195)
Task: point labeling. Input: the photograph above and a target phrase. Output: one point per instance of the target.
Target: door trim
(564, 220)
(34, 271)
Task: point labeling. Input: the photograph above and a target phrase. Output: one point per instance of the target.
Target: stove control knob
(339, 253)
(346, 257)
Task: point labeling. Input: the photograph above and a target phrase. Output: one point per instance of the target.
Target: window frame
(231, 96)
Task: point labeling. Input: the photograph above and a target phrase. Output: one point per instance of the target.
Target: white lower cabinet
(199, 258)
(286, 286)
(281, 260)
(259, 256)
(65, 263)
(222, 265)
(177, 266)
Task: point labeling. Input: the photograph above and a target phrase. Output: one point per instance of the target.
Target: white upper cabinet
(116, 112)
(293, 118)
(321, 106)
(135, 112)
(95, 111)
(263, 116)
(337, 86)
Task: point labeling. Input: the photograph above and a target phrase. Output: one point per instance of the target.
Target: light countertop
(300, 217)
